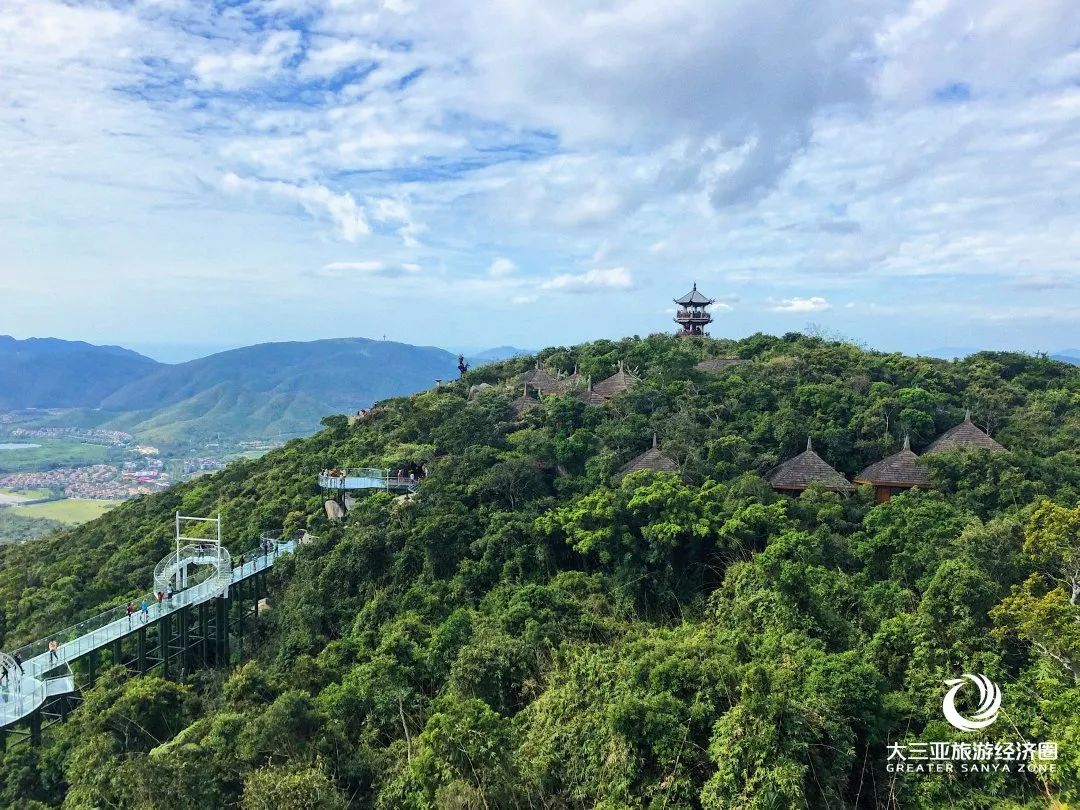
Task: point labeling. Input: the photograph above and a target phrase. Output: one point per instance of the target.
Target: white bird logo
(989, 703)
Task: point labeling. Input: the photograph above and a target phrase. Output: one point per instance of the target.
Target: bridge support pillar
(164, 630)
(141, 654)
(222, 628)
(185, 653)
(239, 599)
(118, 652)
(204, 632)
(91, 667)
(35, 727)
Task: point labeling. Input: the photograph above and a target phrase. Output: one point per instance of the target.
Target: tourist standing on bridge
(3, 674)
(18, 662)
(160, 599)
(145, 610)
(130, 610)
(169, 595)
(53, 647)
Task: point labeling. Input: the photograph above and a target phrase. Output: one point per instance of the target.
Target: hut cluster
(538, 380)
(900, 471)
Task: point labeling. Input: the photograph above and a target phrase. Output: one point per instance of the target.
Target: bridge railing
(16, 704)
(381, 479)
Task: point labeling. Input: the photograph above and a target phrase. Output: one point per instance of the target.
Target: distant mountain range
(264, 391)
(51, 373)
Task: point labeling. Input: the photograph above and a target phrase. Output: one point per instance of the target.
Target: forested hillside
(534, 630)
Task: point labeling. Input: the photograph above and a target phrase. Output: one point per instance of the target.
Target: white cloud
(342, 209)
(367, 267)
(903, 150)
(813, 304)
(501, 266)
(615, 278)
(236, 69)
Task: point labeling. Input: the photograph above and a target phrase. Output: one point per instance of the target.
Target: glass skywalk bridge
(46, 673)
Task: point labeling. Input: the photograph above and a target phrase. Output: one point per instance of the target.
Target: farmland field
(53, 453)
(71, 511)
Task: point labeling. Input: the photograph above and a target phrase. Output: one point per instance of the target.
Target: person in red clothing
(130, 611)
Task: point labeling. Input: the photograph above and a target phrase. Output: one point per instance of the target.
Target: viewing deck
(366, 478)
(48, 674)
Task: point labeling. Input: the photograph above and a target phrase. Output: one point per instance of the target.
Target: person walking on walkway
(169, 595)
(18, 662)
(3, 674)
(145, 610)
(160, 599)
(53, 647)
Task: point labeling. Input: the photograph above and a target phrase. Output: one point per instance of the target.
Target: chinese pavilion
(692, 314)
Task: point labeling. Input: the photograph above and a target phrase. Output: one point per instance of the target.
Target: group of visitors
(9, 681)
(412, 473)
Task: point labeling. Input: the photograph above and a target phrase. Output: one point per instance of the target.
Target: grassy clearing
(71, 511)
(27, 494)
(54, 453)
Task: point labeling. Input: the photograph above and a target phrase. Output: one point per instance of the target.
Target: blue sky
(473, 174)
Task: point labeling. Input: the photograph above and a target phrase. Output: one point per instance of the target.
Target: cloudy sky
(539, 172)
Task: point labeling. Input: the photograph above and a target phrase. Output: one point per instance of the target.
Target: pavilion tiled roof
(963, 436)
(693, 297)
(651, 459)
(805, 469)
(617, 383)
(901, 469)
(718, 363)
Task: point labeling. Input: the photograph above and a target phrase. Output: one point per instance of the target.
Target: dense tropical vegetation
(534, 630)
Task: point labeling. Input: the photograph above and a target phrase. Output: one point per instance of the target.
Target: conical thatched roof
(540, 380)
(620, 381)
(651, 459)
(571, 380)
(718, 363)
(963, 436)
(796, 474)
(588, 395)
(523, 403)
(901, 469)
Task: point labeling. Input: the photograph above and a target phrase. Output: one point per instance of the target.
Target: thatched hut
(622, 380)
(964, 436)
(798, 473)
(651, 459)
(894, 474)
(588, 395)
(539, 379)
(523, 403)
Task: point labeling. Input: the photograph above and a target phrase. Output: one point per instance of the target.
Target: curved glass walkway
(46, 673)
